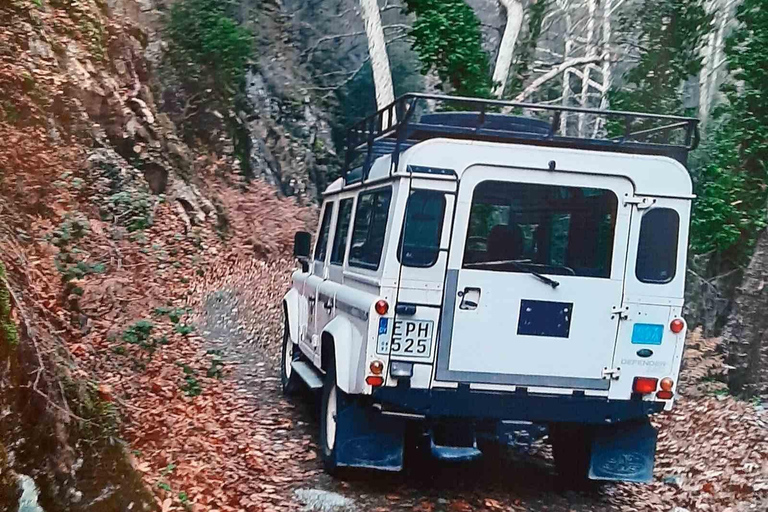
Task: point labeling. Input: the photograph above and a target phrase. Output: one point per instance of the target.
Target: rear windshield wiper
(521, 268)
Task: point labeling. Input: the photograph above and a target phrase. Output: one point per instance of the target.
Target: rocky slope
(106, 216)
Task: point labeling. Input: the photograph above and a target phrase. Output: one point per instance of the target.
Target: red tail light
(677, 326)
(382, 307)
(644, 385)
(374, 380)
(666, 385)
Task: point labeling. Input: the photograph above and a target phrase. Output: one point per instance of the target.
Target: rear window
(322, 240)
(420, 243)
(657, 247)
(370, 228)
(523, 227)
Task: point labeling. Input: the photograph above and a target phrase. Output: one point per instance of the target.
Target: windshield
(551, 229)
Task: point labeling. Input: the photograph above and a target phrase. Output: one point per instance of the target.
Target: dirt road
(244, 323)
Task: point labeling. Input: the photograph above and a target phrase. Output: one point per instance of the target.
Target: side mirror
(302, 242)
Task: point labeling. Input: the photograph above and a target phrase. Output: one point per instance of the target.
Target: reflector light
(666, 384)
(382, 307)
(644, 385)
(377, 367)
(374, 380)
(677, 325)
(665, 395)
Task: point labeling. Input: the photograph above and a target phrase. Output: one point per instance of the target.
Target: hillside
(107, 219)
(145, 235)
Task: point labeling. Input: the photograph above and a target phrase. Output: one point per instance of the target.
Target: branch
(40, 365)
(351, 74)
(554, 72)
(309, 51)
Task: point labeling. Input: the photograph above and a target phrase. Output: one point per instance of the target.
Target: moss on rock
(8, 333)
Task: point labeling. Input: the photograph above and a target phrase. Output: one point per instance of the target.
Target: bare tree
(514, 10)
(555, 72)
(591, 53)
(712, 52)
(377, 49)
(606, 71)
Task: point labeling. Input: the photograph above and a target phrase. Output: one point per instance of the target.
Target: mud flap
(368, 439)
(623, 452)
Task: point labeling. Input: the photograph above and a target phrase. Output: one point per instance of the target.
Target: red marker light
(666, 384)
(382, 307)
(374, 380)
(677, 326)
(644, 385)
(665, 395)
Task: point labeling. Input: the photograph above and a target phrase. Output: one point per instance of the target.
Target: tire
(289, 380)
(332, 402)
(571, 448)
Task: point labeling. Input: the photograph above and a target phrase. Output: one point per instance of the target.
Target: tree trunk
(507, 46)
(712, 53)
(567, 48)
(590, 52)
(377, 49)
(745, 333)
(606, 71)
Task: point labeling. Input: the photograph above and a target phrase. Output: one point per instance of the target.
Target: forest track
(244, 323)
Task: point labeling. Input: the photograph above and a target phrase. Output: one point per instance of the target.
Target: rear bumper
(482, 405)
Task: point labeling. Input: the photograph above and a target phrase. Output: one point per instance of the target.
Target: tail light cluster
(649, 385)
(376, 379)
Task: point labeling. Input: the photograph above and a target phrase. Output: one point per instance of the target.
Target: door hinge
(622, 311)
(611, 373)
(641, 202)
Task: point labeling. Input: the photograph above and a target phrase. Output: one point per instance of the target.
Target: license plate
(412, 338)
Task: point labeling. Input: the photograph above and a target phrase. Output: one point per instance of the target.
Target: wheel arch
(342, 343)
(291, 312)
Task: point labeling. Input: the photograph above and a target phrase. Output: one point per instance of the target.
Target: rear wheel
(571, 448)
(289, 380)
(334, 400)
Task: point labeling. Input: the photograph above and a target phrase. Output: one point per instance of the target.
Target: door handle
(470, 298)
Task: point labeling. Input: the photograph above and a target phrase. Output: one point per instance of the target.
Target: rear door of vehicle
(502, 323)
(422, 253)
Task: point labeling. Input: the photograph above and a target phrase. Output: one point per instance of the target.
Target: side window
(420, 243)
(370, 228)
(657, 247)
(342, 228)
(321, 246)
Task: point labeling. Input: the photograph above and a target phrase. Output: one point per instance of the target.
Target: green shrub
(446, 36)
(139, 332)
(207, 46)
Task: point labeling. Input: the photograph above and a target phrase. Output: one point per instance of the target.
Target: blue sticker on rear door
(544, 318)
(647, 334)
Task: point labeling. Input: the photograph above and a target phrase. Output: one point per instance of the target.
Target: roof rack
(414, 117)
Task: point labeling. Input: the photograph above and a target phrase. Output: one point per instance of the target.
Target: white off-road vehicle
(482, 277)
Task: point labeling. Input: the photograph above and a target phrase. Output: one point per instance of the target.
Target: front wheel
(334, 400)
(289, 380)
